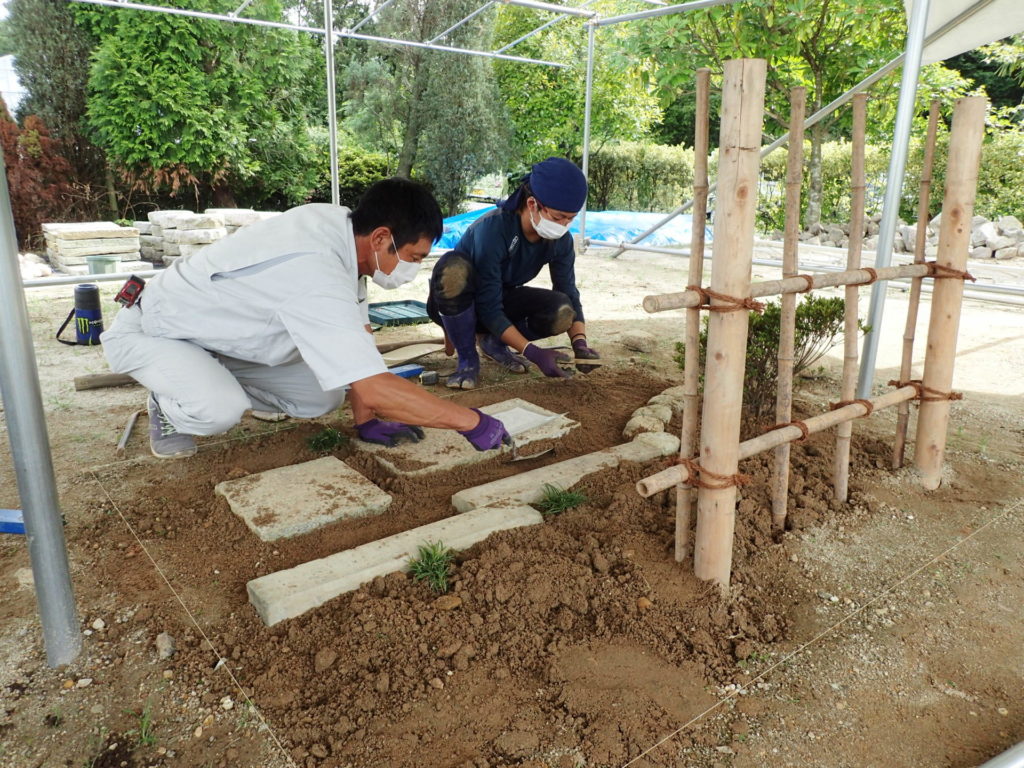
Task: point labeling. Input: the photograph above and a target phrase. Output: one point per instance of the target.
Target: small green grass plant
(326, 440)
(433, 564)
(143, 733)
(556, 501)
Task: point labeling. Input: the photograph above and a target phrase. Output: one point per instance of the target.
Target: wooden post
(924, 200)
(844, 432)
(954, 239)
(691, 358)
(787, 328)
(739, 161)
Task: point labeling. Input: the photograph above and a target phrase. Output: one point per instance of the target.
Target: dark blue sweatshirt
(504, 259)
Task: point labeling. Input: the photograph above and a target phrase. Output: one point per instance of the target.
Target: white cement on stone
(290, 593)
(528, 487)
(87, 230)
(444, 449)
(290, 501)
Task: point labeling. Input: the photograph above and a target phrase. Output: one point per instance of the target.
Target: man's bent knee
(318, 404)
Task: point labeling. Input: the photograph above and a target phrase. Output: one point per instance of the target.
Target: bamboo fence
(691, 357)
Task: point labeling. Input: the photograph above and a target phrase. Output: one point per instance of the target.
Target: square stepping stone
(443, 449)
(289, 501)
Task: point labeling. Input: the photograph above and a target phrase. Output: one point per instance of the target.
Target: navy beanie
(557, 183)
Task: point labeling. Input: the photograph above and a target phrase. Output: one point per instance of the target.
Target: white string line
(1017, 504)
(221, 661)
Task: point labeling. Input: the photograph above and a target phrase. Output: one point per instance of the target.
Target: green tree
(52, 63)
(436, 114)
(825, 45)
(546, 104)
(214, 109)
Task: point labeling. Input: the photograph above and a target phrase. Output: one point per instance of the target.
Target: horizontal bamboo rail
(667, 478)
(686, 299)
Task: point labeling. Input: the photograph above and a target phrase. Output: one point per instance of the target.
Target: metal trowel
(538, 454)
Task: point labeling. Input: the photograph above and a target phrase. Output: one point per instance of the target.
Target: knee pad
(452, 276)
(564, 317)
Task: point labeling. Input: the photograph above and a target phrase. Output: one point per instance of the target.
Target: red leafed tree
(37, 175)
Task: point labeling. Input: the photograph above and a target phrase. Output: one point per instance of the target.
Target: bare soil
(880, 631)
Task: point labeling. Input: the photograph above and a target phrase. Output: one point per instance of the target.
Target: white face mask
(403, 272)
(548, 229)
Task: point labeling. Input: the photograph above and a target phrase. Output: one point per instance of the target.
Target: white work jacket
(272, 292)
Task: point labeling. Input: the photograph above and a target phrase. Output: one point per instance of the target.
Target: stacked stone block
(68, 245)
(172, 234)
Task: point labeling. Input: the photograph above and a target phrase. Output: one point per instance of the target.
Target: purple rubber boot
(461, 332)
(495, 349)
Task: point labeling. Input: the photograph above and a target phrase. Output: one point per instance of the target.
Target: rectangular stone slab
(528, 487)
(87, 230)
(289, 501)
(444, 449)
(290, 593)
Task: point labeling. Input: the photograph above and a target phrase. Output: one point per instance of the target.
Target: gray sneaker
(164, 440)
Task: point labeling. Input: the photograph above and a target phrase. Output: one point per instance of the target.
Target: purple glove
(546, 360)
(489, 433)
(389, 433)
(579, 346)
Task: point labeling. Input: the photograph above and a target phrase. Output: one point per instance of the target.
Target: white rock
(201, 236)
(98, 624)
(24, 577)
(201, 221)
(1009, 222)
(675, 403)
(167, 219)
(226, 703)
(984, 234)
(164, 645)
(236, 217)
(1011, 252)
(85, 682)
(1000, 242)
(187, 250)
(662, 413)
(640, 341)
(639, 424)
(981, 252)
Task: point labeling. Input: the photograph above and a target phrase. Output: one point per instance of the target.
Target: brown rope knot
(937, 271)
(927, 394)
(873, 275)
(729, 303)
(804, 431)
(809, 279)
(715, 482)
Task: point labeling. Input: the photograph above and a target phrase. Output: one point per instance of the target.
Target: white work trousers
(204, 393)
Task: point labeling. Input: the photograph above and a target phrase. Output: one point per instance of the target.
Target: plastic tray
(406, 312)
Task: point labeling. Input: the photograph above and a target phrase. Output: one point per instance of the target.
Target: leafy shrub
(635, 176)
(357, 169)
(37, 175)
(819, 322)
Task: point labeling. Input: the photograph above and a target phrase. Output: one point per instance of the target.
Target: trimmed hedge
(358, 168)
(635, 176)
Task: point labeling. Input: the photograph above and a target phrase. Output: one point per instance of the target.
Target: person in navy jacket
(479, 292)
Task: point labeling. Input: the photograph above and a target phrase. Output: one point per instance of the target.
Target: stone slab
(167, 219)
(528, 487)
(87, 230)
(96, 247)
(200, 221)
(290, 593)
(444, 449)
(236, 217)
(185, 249)
(195, 236)
(289, 501)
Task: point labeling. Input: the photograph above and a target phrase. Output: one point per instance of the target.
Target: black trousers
(537, 312)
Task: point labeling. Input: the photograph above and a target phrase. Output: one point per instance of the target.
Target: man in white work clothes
(274, 318)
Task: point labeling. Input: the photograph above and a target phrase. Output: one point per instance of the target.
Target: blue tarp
(612, 226)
